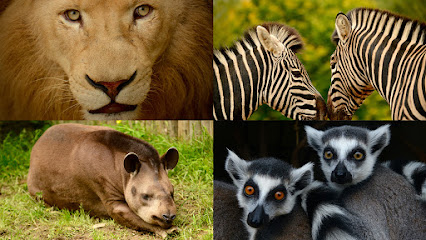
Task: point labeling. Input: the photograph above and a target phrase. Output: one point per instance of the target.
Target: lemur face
(267, 187)
(348, 154)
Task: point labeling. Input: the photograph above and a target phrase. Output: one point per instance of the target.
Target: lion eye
(358, 156)
(142, 11)
(249, 190)
(328, 155)
(279, 195)
(72, 15)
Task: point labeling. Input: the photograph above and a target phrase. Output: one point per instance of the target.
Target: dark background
(286, 140)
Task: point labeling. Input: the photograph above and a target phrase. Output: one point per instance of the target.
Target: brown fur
(33, 85)
(106, 172)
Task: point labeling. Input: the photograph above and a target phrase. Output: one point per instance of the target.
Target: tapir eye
(249, 190)
(146, 197)
(358, 155)
(328, 155)
(279, 195)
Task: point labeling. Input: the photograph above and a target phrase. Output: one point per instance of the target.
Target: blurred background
(314, 19)
(286, 140)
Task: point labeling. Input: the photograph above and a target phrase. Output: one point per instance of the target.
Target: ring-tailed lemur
(382, 209)
(266, 188)
(413, 171)
(348, 154)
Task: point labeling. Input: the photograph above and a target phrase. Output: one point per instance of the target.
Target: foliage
(23, 217)
(314, 20)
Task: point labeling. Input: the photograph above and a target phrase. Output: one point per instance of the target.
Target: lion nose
(111, 88)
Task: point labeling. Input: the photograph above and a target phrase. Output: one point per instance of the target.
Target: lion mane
(34, 87)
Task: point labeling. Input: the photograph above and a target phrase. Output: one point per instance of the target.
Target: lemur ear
(314, 137)
(300, 178)
(343, 26)
(379, 138)
(236, 167)
(269, 41)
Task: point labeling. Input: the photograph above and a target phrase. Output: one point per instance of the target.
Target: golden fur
(44, 58)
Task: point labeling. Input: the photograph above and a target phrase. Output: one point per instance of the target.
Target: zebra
(263, 68)
(382, 51)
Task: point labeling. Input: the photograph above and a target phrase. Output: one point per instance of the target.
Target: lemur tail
(329, 219)
(414, 172)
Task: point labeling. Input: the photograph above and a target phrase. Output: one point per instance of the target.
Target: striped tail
(414, 172)
(329, 219)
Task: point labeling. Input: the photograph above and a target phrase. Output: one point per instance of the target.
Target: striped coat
(378, 50)
(262, 68)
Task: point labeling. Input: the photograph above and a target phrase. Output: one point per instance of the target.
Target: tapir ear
(236, 167)
(314, 137)
(269, 42)
(131, 162)
(301, 177)
(170, 158)
(379, 138)
(343, 26)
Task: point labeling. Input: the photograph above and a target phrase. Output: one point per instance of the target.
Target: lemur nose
(111, 88)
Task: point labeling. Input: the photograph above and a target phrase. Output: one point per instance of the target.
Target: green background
(314, 19)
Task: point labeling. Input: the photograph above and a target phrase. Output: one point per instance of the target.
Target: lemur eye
(358, 156)
(249, 190)
(72, 15)
(142, 11)
(279, 195)
(328, 155)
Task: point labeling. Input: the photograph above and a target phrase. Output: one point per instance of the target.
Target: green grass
(23, 217)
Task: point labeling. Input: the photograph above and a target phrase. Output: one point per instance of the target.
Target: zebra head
(288, 88)
(349, 84)
(262, 68)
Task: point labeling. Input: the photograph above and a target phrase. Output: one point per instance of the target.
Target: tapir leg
(123, 215)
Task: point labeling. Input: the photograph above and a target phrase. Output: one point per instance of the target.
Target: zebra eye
(296, 73)
(72, 15)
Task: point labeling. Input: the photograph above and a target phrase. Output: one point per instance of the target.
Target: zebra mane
(285, 34)
(404, 21)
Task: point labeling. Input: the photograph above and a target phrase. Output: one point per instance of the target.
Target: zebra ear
(343, 26)
(269, 41)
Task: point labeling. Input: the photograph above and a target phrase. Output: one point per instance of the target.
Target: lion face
(107, 49)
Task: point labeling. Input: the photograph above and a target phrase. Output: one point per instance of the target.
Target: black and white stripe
(328, 217)
(383, 52)
(413, 171)
(247, 75)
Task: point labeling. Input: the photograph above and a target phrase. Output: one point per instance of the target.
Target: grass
(23, 217)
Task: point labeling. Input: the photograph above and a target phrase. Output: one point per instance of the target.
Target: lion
(106, 59)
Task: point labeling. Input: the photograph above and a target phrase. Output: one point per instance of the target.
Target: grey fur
(266, 176)
(384, 206)
(343, 170)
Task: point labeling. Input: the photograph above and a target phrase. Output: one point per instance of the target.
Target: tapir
(107, 173)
